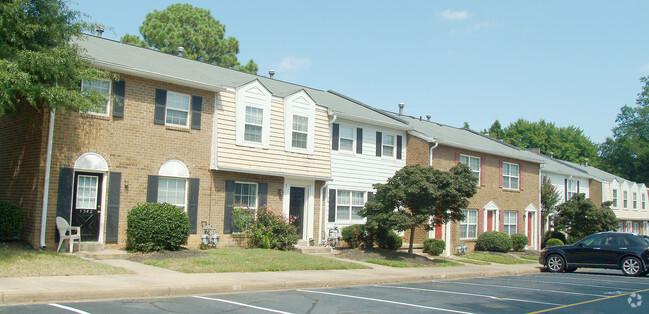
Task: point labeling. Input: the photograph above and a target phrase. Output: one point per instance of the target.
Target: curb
(76, 295)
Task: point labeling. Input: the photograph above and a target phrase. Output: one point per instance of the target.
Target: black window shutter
(64, 200)
(229, 201)
(112, 208)
(119, 90)
(335, 135)
(197, 107)
(379, 143)
(370, 196)
(192, 204)
(565, 189)
(332, 205)
(359, 140)
(263, 194)
(577, 186)
(152, 189)
(399, 146)
(160, 106)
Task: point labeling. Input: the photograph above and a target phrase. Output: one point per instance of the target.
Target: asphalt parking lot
(580, 292)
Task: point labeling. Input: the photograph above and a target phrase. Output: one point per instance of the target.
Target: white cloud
(477, 26)
(290, 63)
(449, 14)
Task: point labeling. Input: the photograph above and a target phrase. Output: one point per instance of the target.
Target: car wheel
(556, 263)
(632, 266)
(570, 269)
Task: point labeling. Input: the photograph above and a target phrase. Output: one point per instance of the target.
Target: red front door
(438, 231)
(490, 220)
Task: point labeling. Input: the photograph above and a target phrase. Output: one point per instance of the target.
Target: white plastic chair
(67, 232)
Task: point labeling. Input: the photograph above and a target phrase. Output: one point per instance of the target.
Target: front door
(86, 207)
(296, 207)
(490, 220)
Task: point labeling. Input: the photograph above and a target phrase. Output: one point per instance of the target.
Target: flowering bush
(266, 229)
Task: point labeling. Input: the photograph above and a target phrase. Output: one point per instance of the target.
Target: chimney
(180, 51)
(401, 105)
(100, 30)
(271, 73)
(586, 162)
(428, 117)
(551, 155)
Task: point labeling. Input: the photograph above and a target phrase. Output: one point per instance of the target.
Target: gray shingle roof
(129, 59)
(557, 166)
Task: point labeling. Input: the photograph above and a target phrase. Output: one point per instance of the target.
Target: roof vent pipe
(401, 105)
(180, 51)
(551, 155)
(100, 30)
(586, 162)
(271, 73)
(428, 117)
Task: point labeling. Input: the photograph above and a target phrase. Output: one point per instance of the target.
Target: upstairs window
(388, 145)
(625, 199)
(254, 124)
(635, 200)
(510, 176)
(473, 163)
(571, 189)
(253, 117)
(177, 112)
(644, 197)
(346, 138)
(300, 131)
(614, 198)
(101, 86)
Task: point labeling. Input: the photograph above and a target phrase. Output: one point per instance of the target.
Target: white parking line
(384, 301)
(71, 309)
(563, 283)
(581, 277)
(520, 288)
(241, 304)
(471, 294)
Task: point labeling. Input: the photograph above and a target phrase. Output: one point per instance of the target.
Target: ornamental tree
(549, 199)
(40, 66)
(415, 194)
(580, 217)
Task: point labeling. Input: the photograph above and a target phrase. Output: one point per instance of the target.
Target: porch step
(90, 247)
(102, 255)
(313, 250)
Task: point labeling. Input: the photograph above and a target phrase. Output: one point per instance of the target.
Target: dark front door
(86, 206)
(296, 208)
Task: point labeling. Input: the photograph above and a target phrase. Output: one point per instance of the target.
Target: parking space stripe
(470, 294)
(580, 277)
(521, 288)
(586, 302)
(241, 304)
(384, 301)
(71, 309)
(563, 283)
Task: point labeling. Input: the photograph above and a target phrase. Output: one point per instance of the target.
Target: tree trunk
(412, 240)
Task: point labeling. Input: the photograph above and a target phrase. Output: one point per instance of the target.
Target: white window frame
(110, 91)
(509, 177)
(253, 94)
(256, 195)
(350, 205)
(615, 197)
(253, 124)
(298, 131)
(187, 112)
(393, 145)
(177, 179)
(644, 201)
(467, 222)
(352, 148)
(571, 189)
(299, 104)
(625, 199)
(508, 223)
(467, 162)
(635, 200)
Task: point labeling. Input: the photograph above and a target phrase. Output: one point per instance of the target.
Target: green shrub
(156, 227)
(553, 242)
(11, 221)
(519, 241)
(434, 247)
(354, 235)
(494, 241)
(554, 235)
(267, 229)
(389, 240)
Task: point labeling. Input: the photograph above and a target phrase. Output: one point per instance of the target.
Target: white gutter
(46, 184)
(431, 153)
(395, 126)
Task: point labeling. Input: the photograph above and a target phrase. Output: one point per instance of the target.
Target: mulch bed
(365, 254)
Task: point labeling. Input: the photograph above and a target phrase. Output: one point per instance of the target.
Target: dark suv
(628, 252)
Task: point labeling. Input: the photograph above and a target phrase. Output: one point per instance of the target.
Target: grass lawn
(402, 264)
(25, 262)
(497, 258)
(250, 260)
(473, 261)
(530, 257)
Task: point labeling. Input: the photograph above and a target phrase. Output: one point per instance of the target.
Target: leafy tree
(466, 125)
(565, 143)
(495, 131)
(196, 30)
(39, 64)
(580, 217)
(416, 193)
(627, 152)
(549, 199)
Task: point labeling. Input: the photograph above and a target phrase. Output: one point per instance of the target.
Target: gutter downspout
(46, 184)
(322, 191)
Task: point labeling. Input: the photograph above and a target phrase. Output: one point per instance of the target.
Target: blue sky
(568, 62)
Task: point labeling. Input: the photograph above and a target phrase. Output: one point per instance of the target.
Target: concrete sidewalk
(149, 281)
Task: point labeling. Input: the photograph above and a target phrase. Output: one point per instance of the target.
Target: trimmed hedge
(554, 235)
(519, 241)
(434, 247)
(389, 240)
(156, 227)
(494, 241)
(354, 235)
(553, 242)
(11, 221)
